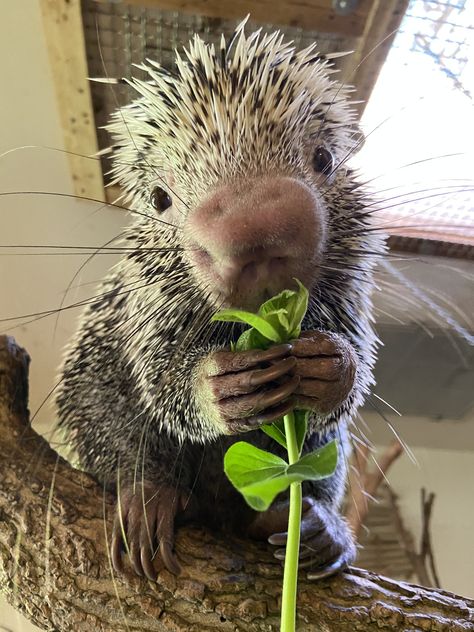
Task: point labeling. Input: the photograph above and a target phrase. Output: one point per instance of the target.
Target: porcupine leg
(144, 525)
(326, 367)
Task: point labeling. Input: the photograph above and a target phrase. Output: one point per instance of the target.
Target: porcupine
(234, 166)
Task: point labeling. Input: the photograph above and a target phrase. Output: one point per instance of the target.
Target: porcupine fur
(251, 107)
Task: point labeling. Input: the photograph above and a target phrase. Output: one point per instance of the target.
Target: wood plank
(308, 14)
(63, 30)
(381, 28)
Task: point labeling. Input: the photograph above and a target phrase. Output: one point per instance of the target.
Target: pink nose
(259, 233)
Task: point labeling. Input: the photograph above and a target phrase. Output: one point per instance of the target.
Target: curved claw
(329, 570)
(116, 553)
(326, 542)
(144, 519)
(169, 558)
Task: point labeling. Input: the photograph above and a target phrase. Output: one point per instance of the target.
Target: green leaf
(276, 431)
(251, 339)
(279, 321)
(260, 476)
(301, 425)
(317, 465)
(254, 320)
(276, 303)
(297, 306)
(261, 495)
(255, 473)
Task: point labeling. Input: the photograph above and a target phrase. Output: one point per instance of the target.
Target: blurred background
(419, 128)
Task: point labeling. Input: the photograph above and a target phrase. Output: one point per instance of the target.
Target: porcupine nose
(250, 239)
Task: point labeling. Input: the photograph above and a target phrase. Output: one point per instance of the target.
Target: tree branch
(54, 567)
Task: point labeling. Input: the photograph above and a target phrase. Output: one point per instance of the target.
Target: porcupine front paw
(327, 545)
(326, 364)
(249, 388)
(144, 526)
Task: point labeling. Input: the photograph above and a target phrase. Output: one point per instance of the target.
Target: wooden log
(55, 523)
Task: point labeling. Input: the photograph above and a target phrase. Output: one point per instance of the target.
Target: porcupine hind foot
(144, 526)
(327, 545)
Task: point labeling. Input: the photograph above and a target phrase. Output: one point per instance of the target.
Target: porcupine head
(235, 166)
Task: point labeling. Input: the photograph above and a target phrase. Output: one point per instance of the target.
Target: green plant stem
(290, 573)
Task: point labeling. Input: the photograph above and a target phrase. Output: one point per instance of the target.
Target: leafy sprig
(260, 475)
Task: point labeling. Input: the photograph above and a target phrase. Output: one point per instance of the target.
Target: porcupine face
(238, 148)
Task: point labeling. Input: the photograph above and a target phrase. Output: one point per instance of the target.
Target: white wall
(29, 284)
(28, 115)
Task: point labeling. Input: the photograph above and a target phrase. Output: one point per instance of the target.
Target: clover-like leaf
(256, 474)
(251, 339)
(296, 308)
(301, 426)
(276, 431)
(317, 465)
(260, 476)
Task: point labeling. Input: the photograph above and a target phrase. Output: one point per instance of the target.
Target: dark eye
(322, 160)
(160, 200)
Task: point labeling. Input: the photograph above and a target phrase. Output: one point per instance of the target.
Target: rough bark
(54, 526)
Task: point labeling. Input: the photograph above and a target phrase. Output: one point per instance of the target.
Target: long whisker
(61, 151)
(95, 300)
(90, 199)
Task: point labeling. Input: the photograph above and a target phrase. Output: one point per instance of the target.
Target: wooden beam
(62, 23)
(308, 14)
(380, 30)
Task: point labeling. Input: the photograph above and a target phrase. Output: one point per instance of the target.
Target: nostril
(279, 262)
(250, 268)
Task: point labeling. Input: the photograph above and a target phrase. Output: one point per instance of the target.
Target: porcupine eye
(160, 200)
(322, 160)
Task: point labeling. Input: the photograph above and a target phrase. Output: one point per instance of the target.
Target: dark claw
(236, 426)
(326, 542)
(116, 553)
(246, 382)
(238, 410)
(271, 398)
(230, 362)
(328, 571)
(280, 554)
(147, 563)
(277, 539)
(135, 558)
(148, 515)
(270, 415)
(169, 558)
(263, 376)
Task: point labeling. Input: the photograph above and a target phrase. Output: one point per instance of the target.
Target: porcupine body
(252, 111)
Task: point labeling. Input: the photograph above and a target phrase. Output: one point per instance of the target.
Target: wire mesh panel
(119, 35)
(443, 31)
(421, 114)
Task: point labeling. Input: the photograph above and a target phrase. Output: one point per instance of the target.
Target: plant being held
(260, 475)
